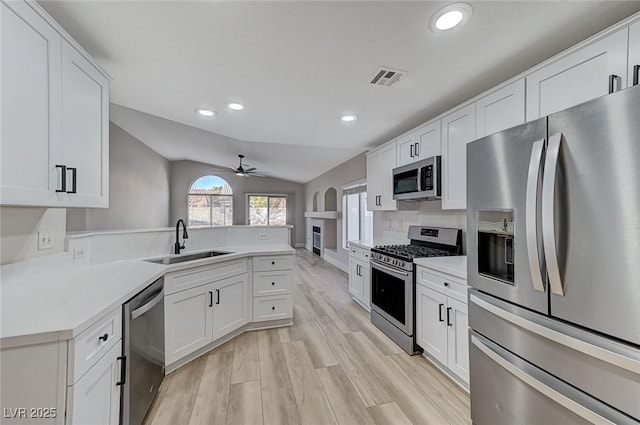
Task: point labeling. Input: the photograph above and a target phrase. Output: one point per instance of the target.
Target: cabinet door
(634, 54)
(365, 271)
(380, 165)
(188, 321)
(230, 305)
(578, 77)
(356, 287)
(458, 338)
(406, 150)
(95, 398)
(85, 130)
(431, 327)
(502, 109)
(458, 129)
(30, 130)
(428, 140)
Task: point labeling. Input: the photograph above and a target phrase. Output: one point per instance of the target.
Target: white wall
(392, 226)
(183, 173)
(19, 228)
(138, 188)
(348, 172)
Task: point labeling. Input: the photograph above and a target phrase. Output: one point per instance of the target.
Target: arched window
(210, 202)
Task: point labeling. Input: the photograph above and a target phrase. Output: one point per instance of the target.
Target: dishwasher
(142, 353)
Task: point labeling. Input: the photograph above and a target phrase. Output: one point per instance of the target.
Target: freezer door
(506, 390)
(504, 184)
(591, 201)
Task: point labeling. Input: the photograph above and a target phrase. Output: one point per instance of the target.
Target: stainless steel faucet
(185, 235)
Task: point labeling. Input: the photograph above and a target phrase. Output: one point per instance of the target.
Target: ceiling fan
(242, 170)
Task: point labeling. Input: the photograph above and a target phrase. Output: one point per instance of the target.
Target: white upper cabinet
(30, 134)
(54, 139)
(458, 129)
(501, 109)
(634, 55)
(421, 143)
(85, 130)
(578, 77)
(380, 165)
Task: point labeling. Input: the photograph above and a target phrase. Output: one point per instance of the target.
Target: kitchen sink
(187, 257)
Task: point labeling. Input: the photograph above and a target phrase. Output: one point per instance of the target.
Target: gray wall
(350, 171)
(138, 188)
(183, 173)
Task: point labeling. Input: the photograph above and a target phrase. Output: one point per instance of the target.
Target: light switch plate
(45, 240)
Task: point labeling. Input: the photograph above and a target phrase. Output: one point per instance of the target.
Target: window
(267, 210)
(210, 202)
(357, 222)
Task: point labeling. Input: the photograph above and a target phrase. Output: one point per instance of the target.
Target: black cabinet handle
(448, 315)
(417, 149)
(63, 185)
(123, 370)
(217, 296)
(210, 298)
(612, 83)
(273, 283)
(440, 319)
(446, 284)
(273, 308)
(636, 75)
(273, 263)
(104, 337)
(74, 180)
(411, 150)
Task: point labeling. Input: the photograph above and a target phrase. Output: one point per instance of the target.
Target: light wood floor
(332, 367)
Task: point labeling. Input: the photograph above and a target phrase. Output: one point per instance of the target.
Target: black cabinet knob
(273, 263)
(273, 283)
(446, 284)
(103, 337)
(273, 308)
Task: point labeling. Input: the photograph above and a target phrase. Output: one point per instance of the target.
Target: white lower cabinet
(360, 276)
(441, 322)
(198, 316)
(95, 398)
(272, 288)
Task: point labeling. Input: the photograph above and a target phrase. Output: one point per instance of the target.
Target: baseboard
(445, 370)
(300, 245)
(338, 264)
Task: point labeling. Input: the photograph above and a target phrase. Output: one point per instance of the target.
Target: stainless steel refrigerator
(553, 238)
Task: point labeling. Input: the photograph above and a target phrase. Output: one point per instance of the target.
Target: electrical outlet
(45, 240)
(78, 253)
(263, 236)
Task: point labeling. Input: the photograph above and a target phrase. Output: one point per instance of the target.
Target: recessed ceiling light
(349, 117)
(205, 112)
(450, 16)
(235, 106)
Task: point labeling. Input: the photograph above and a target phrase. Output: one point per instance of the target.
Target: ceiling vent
(386, 76)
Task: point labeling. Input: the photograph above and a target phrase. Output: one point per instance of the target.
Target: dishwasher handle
(148, 306)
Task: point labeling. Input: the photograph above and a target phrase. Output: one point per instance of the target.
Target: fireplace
(317, 240)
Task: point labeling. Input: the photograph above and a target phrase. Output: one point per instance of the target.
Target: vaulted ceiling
(299, 65)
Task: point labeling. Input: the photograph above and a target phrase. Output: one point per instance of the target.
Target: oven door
(392, 296)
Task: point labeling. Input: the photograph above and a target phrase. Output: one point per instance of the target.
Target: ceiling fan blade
(257, 174)
(248, 170)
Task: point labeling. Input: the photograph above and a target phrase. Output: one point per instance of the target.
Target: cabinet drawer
(87, 348)
(272, 308)
(445, 284)
(280, 262)
(359, 253)
(272, 283)
(193, 277)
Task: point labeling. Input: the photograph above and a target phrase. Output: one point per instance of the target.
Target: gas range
(425, 242)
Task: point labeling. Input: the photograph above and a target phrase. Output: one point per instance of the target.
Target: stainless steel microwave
(418, 181)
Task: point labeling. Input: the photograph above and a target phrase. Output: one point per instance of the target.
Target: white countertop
(54, 298)
(455, 266)
(362, 244)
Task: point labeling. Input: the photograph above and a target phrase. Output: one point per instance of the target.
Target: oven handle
(389, 269)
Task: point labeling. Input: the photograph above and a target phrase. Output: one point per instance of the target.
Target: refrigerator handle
(540, 386)
(531, 215)
(548, 222)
